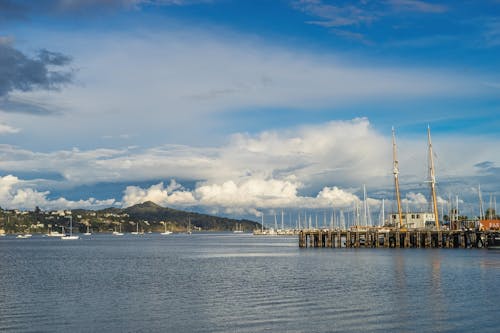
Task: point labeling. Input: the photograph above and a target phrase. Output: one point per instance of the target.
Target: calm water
(241, 283)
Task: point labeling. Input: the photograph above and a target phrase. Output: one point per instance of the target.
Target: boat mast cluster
(432, 179)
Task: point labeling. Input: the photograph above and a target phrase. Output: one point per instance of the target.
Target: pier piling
(393, 238)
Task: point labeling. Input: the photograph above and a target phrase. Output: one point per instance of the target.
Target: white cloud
(172, 195)
(248, 196)
(314, 166)
(14, 193)
(6, 129)
(149, 86)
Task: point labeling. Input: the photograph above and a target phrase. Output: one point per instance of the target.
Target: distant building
(414, 220)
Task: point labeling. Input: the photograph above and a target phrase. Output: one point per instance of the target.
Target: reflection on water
(240, 283)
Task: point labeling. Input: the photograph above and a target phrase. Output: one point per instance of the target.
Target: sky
(239, 108)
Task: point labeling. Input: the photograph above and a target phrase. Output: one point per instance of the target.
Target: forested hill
(178, 219)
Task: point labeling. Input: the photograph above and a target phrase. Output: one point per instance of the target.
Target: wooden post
(301, 239)
(462, 240)
(428, 240)
(407, 240)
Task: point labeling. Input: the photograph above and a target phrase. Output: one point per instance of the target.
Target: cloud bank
(154, 83)
(308, 167)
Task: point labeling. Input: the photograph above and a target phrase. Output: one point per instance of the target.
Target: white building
(414, 220)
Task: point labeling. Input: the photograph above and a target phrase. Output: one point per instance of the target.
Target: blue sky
(238, 107)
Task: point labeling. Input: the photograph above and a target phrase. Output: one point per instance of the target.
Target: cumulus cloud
(173, 194)
(248, 196)
(315, 155)
(15, 193)
(311, 166)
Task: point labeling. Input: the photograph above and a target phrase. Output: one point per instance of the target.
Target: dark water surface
(241, 283)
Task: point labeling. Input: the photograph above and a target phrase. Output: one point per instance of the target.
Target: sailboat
(137, 230)
(118, 233)
(189, 227)
(167, 232)
(51, 233)
(70, 236)
(238, 230)
(88, 233)
(24, 236)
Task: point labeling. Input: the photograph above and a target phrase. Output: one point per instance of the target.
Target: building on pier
(413, 220)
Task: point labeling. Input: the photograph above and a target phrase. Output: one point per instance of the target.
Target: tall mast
(365, 207)
(495, 207)
(396, 177)
(282, 220)
(490, 213)
(262, 222)
(432, 180)
(383, 213)
(481, 209)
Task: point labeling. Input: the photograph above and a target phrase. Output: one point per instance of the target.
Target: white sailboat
(189, 227)
(118, 233)
(88, 233)
(25, 235)
(51, 233)
(166, 232)
(238, 230)
(70, 236)
(137, 230)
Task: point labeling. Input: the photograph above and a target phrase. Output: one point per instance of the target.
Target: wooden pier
(395, 238)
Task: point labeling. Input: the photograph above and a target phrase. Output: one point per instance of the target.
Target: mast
(262, 222)
(490, 213)
(282, 220)
(365, 207)
(342, 220)
(432, 180)
(383, 213)
(396, 177)
(71, 225)
(495, 206)
(332, 220)
(481, 209)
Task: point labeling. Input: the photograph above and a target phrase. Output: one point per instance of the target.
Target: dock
(396, 238)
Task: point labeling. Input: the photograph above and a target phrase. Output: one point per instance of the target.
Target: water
(241, 283)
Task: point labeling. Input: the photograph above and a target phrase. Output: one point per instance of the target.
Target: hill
(178, 219)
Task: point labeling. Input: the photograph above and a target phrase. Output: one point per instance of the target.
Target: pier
(396, 238)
